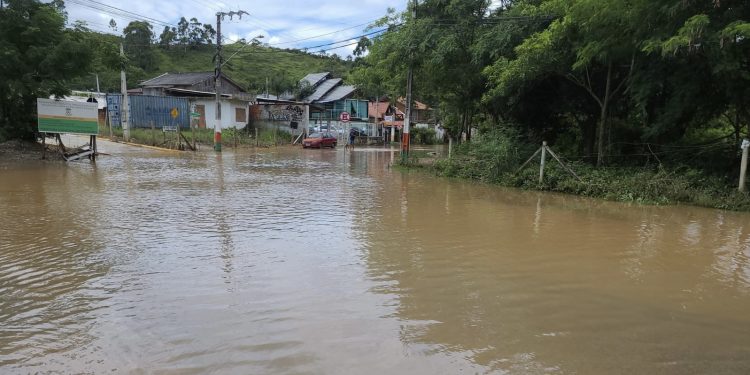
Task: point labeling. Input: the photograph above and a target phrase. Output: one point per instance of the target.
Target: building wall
(208, 86)
(279, 116)
(229, 112)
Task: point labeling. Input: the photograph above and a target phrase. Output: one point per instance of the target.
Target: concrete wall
(228, 112)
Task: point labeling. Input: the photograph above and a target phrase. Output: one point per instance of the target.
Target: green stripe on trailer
(55, 125)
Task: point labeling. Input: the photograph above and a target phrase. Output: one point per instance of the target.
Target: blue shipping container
(145, 108)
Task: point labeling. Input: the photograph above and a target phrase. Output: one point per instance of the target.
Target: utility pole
(217, 76)
(217, 84)
(409, 78)
(124, 89)
(97, 80)
(743, 167)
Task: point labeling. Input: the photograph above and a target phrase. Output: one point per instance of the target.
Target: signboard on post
(344, 117)
(57, 116)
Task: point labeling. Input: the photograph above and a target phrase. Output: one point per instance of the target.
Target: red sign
(344, 117)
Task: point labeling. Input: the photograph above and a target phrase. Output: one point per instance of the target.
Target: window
(239, 114)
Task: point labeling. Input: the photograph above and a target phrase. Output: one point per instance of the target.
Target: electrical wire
(117, 12)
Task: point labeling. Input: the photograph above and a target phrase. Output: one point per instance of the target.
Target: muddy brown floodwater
(297, 261)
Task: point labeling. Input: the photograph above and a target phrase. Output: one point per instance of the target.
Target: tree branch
(626, 79)
(588, 88)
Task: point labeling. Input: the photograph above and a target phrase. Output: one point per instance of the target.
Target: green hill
(251, 66)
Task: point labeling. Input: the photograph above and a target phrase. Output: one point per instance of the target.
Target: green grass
(203, 137)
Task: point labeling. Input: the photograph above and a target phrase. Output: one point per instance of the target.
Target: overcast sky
(283, 23)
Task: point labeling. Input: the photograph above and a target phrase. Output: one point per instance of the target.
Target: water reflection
(50, 287)
(539, 283)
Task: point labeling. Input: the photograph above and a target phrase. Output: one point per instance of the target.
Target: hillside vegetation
(250, 67)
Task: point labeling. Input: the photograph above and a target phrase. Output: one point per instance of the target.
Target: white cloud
(284, 23)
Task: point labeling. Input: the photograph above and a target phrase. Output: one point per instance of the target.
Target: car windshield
(315, 135)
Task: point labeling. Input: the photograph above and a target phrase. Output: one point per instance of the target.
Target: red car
(319, 140)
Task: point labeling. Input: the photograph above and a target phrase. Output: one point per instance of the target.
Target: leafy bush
(423, 136)
(494, 157)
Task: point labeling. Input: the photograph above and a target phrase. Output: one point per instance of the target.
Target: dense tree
(138, 37)
(39, 57)
(168, 37)
(601, 74)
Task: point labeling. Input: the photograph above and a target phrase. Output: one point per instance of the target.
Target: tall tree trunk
(589, 140)
(603, 117)
(459, 136)
(467, 121)
(737, 126)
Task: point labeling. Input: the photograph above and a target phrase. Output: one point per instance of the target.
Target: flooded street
(290, 261)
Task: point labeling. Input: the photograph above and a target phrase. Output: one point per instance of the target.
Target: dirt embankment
(25, 150)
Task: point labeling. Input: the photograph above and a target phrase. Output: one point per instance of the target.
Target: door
(201, 109)
(326, 141)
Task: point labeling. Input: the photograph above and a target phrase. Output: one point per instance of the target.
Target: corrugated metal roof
(338, 93)
(196, 92)
(315, 78)
(179, 79)
(322, 89)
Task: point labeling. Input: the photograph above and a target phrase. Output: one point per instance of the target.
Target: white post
(124, 104)
(544, 161)
(743, 167)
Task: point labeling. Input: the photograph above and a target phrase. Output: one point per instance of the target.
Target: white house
(234, 112)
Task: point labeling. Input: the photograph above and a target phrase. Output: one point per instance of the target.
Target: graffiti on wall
(282, 112)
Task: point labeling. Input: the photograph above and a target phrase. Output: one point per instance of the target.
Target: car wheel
(333, 145)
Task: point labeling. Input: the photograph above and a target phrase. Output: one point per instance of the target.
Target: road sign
(344, 117)
(174, 113)
(58, 116)
(195, 114)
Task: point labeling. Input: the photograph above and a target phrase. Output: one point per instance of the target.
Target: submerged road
(290, 261)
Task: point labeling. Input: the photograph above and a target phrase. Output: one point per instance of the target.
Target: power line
(117, 12)
(348, 40)
(164, 23)
(318, 36)
(264, 24)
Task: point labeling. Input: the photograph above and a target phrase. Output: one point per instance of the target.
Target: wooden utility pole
(743, 167)
(409, 81)
(217, 79)
(124, 104)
